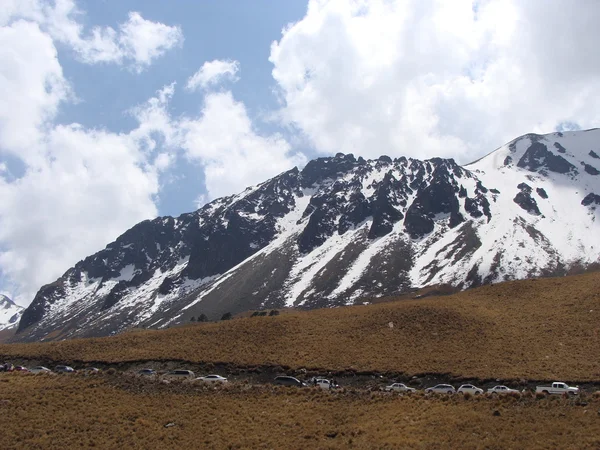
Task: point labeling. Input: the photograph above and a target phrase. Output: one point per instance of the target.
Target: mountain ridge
(340, 229)
(10, 313)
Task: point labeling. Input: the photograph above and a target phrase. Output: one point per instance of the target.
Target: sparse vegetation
(117, 412)
(540, 329)
(227, 316)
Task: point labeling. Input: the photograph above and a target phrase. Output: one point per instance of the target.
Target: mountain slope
(340, 230)
(10, 313)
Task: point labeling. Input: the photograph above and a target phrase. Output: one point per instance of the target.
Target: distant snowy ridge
(10, 313)
(341, 230)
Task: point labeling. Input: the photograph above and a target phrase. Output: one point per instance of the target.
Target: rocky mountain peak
(340, 230)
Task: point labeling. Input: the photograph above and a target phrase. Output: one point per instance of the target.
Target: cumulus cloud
(232, 153)
(80, 187)
(212, 73)
(136, 42)
(436, 78)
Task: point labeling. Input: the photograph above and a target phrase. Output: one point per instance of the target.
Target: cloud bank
(430, 78)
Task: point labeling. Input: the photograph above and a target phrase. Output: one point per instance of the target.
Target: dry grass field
(48, 412)
(540, 329)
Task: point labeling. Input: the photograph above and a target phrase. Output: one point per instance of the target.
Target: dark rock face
(591, 199)
(437, 198)
(590, 169)
(525, 200)
(537, 157)
(560, 148)
(593, 154)
(541, 192)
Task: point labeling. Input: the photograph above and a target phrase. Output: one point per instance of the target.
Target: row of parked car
(283, 380)
(41, 369)
(555, 388)
(183, 374)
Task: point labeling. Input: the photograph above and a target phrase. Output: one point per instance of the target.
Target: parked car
(40, 369)
(21, 369)
(500, 389)
(469, 389)
(64, 369)
(399, 387)
(288, 381)
(212, 379)
(147, 372)
(441, 389)
(181, 374)
(324, 383)
(91, 370)
(557, 388)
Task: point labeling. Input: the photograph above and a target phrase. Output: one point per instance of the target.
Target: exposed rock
(593, 154)
(560, 148)
(538, 157)
(525, 200)
(541, 192)
(591, 199)
(590, 169)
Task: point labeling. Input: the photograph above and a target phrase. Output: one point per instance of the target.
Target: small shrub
(193, 319)
(202, 318)
(227, 316)
(274, 312)
(111, 371)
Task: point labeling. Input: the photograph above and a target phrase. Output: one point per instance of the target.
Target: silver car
(212, 379)
(399, 387)
(40, 369)
(469, 389)
(441, 389)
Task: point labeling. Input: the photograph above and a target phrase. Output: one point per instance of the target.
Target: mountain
(10, 313)
(341, 230)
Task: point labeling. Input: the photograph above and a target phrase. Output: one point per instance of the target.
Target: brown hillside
(47, 412)
(534, 329)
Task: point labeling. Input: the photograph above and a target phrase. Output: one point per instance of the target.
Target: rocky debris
(541, 192)
(593, 154)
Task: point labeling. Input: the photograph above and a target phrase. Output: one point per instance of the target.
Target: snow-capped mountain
(10, 313)
(340, 230)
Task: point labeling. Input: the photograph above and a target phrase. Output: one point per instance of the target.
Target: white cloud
(233, 154)
(81, 187)
(32, 86)
(143, 40)
(213, 72)
(137, 42)
(437, 78)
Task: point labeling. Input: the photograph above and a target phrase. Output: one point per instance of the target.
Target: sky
(117, 111)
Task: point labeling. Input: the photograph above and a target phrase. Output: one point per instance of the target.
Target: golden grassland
(46, 412)
(539, 329)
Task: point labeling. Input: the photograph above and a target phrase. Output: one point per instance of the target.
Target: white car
(212, 379)
(40, 369)
(469, 389)
(557, 388)
(500, 389)
(399, 387)
(441, 389)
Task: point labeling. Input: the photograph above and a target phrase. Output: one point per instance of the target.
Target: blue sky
(117, 111)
